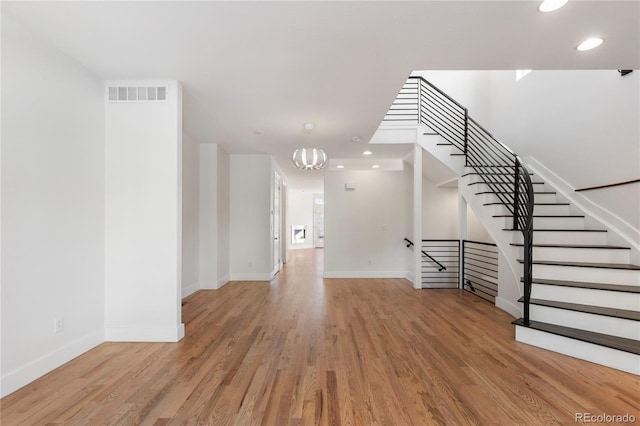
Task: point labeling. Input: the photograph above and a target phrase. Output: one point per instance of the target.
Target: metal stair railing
(500, 168)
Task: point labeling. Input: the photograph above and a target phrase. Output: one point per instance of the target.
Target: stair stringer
(509, 286)
(619, 231)
(429, 143)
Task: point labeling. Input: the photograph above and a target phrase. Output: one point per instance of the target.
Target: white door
(276, 222)
(318, 220)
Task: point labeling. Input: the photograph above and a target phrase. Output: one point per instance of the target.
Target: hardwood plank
(303, 350)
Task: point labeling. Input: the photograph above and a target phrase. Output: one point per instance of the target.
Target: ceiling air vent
(137, 94)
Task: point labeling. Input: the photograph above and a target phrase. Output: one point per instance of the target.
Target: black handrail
(424, 253)
(498, 165)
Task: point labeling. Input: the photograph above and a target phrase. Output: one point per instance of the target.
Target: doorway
(277, 212)
(318, 220)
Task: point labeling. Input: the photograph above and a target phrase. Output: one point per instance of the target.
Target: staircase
(580, 294)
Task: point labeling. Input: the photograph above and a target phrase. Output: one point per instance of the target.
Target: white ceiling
(271, 66)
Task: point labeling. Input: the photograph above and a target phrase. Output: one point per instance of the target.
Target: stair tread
(591, 286)
(499, 183)
(544, 215)
(560, 230)
(535, 204)
(590, 309)
(625, 266)
(510, 192)
(580, 246)
(613, 342)
(491, 173)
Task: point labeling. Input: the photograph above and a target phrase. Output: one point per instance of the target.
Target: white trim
(190, 289)
(410, 276)
(144, 334)
(602, 355)
(251, 277)
(366, 274)
(611, 221)
(208, 285)
(32, 370)
(510, 308)
(222, 281)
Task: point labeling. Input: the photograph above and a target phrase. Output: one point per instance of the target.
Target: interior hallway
(303, 350)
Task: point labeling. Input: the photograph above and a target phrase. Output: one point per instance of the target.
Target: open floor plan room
(306, 350)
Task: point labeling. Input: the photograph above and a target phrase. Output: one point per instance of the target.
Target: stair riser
(613, 358)
(580, 254)
(552, 222)
(539, 198)
(586, 296)
(559, 237)
(590, 275)
(483, 187)
(597, 323)
(551, 210)
(557, 210)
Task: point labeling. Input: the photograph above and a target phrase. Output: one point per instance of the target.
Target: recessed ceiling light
(356, 139)
(589, 44)
(367, 153)
(375, 166)
(340, 166)
(551, 5)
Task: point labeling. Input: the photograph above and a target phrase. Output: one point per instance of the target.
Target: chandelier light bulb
(309, 159)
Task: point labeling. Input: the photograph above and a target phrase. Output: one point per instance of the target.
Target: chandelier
(309, 158)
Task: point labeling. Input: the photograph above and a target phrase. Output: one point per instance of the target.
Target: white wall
(52, 207)
(208, 230)
(190, 215)
(582, 125)
(214, 216)
(476, 231)
(439, 211)
(223, 214)
(250, 247)
(300, 205)
(471, 89)
(144, 217)
(365, 228)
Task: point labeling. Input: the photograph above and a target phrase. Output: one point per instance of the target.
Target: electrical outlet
(58, 325)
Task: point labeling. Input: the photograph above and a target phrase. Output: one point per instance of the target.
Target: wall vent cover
(137, 94)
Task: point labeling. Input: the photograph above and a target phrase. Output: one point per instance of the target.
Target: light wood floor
(303, 351)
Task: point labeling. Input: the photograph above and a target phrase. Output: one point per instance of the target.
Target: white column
(462, 227)
(417, 215)
(143, 214)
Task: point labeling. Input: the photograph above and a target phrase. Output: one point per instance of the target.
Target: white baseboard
(222, 281)
(250, 277)
(144, 334)
(208, 285)
(190, 289)
(25, 374)
(410, 276)
(365, 274)
(510, 308)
